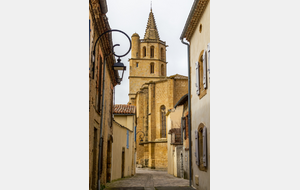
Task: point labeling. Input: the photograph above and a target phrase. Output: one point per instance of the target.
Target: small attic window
(200, 28)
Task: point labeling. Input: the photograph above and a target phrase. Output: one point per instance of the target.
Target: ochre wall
(95, 116)
(149, 101)
(120, 141)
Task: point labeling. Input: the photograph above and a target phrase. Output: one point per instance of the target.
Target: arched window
(151, 67)
(162, 54)
(201, 71)
(201, 147)
(152, 51)
(162, 69)
(144, 51)
(163, 121)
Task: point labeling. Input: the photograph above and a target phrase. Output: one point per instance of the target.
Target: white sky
(131, 16)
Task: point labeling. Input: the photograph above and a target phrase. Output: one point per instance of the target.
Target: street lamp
(116, 67)
(119, 66)
(141, 139)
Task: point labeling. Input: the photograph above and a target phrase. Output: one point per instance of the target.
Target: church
(153, 93)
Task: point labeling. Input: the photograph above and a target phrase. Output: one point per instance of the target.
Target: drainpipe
(101, 124)
(189, 107)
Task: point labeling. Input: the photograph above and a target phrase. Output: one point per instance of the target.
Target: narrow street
(147, 179)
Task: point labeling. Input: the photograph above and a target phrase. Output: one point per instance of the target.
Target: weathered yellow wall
(120, 140)
(170, 150)
(95, 117)
(126, 120)
(173, 121)
(122, 119)
(149, 101)
(200, 108)
(130, 123)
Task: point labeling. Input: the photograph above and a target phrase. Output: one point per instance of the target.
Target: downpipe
(101, 124)
(189, 114)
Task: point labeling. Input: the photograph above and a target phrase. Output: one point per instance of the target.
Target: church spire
(151, 29)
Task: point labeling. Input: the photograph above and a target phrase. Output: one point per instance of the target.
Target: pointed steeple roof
(151, 29)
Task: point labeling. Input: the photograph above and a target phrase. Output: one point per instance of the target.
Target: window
(151, 67)
(185, 127)
(152, 51)
(144, 51)
(175, 136)
(163, 121)
(162, 70)
(137, 64)
(162, 54)
(201, 79)
(200, 142)
(208, 60)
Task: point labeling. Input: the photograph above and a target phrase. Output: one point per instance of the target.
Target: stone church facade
(153, 94)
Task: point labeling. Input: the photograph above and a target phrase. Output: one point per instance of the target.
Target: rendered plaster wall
(200, 108)
(120, 141)
(170, 148)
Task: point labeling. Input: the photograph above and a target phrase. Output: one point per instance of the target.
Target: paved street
(147, 179)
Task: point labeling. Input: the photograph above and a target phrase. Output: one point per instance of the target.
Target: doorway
(123, 162)
(181, 166)
(94, 172)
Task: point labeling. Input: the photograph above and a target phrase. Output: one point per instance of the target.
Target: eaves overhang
(195, 14)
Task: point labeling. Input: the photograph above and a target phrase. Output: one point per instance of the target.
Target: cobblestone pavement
(147, 179)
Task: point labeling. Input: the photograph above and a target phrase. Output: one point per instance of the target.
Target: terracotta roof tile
(124, 109)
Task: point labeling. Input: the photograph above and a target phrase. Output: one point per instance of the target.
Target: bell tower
(148, 58)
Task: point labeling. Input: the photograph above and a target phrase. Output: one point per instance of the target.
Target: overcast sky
(131, 16)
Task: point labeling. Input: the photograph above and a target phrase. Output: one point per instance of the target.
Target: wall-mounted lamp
(117, 66)
(120, 68)
(141, 138)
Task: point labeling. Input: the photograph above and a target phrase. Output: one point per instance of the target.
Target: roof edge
(188, 21)
(181, 100)
(121, 125)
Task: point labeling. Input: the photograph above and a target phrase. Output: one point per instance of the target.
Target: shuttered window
(208, 60)
(134, 133)
(202, 144)
(197, 78)
(127, 144)
(196, 148)
(204, 70)
(183, 127)
(201, 75)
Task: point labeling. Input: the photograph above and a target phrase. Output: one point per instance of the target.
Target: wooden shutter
(204, 146)
(134, 133)
(196, 148)
(208, 60)
(204, 69)
(127, 145)
(197, 78)
(186, 127)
